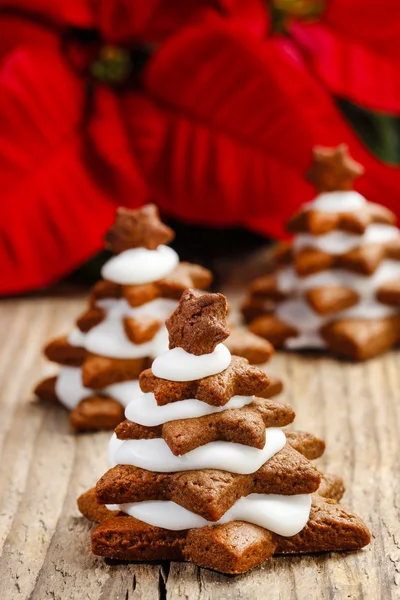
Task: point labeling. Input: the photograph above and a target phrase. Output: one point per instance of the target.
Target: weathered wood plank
(45, 544)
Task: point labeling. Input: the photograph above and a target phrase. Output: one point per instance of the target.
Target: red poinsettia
(196, 105)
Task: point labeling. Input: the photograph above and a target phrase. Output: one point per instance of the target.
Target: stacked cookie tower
(123, 329)
(337, 286)
(201, 469)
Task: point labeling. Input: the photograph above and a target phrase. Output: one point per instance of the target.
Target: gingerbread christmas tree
(337, 285)
(201, 468)
(123, 329)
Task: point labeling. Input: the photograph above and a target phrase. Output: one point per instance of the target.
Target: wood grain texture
(45, 544)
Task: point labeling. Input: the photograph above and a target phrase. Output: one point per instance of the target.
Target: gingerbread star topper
(140, 228)
(333, 169)
(199, 322)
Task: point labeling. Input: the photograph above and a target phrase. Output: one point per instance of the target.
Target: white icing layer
(77, 338)
(108, 338)
(179, 365)
(139, 265)
(299, 314)
(155, 455)
(284, 515)
(69, 388)
(125, 392)
(145, 410)
(366, 286)
(337, 202)
(340, 242)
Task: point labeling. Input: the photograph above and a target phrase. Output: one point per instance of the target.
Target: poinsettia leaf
(53, 211)
(379, 132)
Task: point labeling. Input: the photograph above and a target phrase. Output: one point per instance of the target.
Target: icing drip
(284, 515)
(179, 365)
(155, 455)
(337, 202)
(69, 388)
(139, 265)
(340, 242)
(108, 338)
(145, 410)
(124, 392)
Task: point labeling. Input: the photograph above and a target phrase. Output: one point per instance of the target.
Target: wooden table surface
(43, 468)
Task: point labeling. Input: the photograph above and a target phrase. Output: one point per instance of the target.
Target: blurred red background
(208, 108)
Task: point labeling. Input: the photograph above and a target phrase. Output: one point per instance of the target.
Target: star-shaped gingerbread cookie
(239, 378)
(333, 169)
(140, 228)
(199, 322)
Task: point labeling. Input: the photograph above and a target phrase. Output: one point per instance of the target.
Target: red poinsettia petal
(53, 211)
(110, 153)
(242, 117)
(155, 20)
(375, 24)
(16, 30)
(348, 69)
(80, 13)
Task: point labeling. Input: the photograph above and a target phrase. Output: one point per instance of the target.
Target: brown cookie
(96, 413)
(316, 222)
(239, 378)
(46, 390)
(90, 318)
(333, 169)
(330, 527)
(329, 299)
(331, 486)
(250, 346)
(100, 371)
(184, 276)
(198, 324)
(252, 308)
(389, 293)
(104, 289)
(361, 339)
(234, 547)
(306, 443)
(273, 329)
(140, 228)
(61, 352)
(141, 330)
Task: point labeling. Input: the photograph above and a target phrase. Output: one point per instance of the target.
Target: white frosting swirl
(139, 265)
(179, 365)
(283, 515)
(108, 338)
(155, 455)
(69, 388)
(144, 409)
